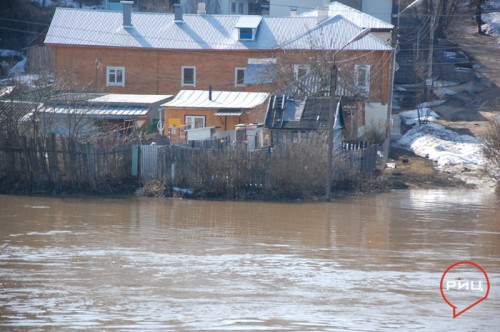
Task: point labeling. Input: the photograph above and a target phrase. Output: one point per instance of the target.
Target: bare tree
(491, 149)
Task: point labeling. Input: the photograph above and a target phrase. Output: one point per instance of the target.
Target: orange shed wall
(177, 115)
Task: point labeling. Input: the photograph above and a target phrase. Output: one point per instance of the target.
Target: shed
(192, 109)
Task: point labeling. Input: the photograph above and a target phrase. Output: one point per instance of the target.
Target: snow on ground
(492, 20)
(410, 118)
(4, 53)
(446, 147)
(492, 24)
(18, 68)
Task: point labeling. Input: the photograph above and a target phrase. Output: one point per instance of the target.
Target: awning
(260, 71)
(96, 111)
(229, 113)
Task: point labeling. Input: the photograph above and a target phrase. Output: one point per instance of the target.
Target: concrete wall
(381, 9)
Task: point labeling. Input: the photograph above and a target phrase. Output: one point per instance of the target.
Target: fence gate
(149, 162)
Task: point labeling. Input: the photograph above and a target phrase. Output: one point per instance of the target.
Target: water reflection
(363, 263)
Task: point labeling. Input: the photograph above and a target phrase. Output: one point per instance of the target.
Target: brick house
(163, 53)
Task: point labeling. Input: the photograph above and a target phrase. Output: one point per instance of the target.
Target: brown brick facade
(153, 71)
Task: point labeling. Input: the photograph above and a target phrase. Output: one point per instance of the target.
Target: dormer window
(246, 34)
(247, 26)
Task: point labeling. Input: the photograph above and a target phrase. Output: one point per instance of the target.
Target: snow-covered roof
(357, 17)
(211, 32)
(130, 99)
(333, 34)
(101, 112)
(220, 99)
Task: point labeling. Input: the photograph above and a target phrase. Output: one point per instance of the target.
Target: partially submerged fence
(291, 167)
(64, 161)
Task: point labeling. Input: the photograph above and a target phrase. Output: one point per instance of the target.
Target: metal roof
(357, 17)
(71, 26)
(333, 34)
(229, 113)
(220, 99)
(248, 21)
(130, 99)
(101, 112)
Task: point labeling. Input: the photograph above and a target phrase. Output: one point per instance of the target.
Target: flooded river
(366, 263)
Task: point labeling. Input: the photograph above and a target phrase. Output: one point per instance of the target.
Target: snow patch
(492, 20)
(4, 53)
(410, 118)
(18, 68)
(446, 147)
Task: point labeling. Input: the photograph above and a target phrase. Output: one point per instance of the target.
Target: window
(115, 76)
(362, 77)
(300, 70)
(188, 76)
(194, 121)
(246, 34)
(239, 76)
(240, 5)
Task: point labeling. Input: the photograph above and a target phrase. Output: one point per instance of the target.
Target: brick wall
(153, 71)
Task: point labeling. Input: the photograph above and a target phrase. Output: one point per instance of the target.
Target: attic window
(247, 26)
(246, 34)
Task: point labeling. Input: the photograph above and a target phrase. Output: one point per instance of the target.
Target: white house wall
(282, 7)
(381, 9)
(376, 117)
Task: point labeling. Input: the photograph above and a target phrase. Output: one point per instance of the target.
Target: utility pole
(329, 161)
(333, 89)
(428, 81)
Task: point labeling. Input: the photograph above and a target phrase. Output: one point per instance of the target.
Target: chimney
(322, 14)
(202, 8)
(127, 13)
(210, 92)
(178, 13)
(293, 11)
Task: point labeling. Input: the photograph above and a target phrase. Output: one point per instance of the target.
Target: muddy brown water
(365, 263)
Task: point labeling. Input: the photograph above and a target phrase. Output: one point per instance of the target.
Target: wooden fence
(294, 167)
(64, 161)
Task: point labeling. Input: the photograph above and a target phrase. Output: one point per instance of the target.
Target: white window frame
(114, 71)
(296, 69)
(237, 7)
(236, 70)
(183, 83)
(193, 118)
(359, 72)
(252, 36)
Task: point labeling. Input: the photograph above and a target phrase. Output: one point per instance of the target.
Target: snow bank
(492, 20)
(18, 68)
(410, 118)
(492, 24)
(446, 147)
(4, 53)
